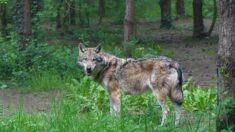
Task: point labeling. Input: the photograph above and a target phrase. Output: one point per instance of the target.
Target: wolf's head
(91, 59)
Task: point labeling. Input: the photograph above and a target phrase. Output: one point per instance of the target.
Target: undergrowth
(85, 107)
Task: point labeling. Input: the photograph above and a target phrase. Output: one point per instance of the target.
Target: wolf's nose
(88, 70)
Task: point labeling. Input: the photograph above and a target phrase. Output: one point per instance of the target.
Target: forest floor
(197, 57)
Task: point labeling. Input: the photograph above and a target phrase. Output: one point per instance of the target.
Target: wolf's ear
(81, 47)
(98, 48)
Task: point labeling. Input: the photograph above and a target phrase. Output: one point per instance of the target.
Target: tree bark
(128, 25)
(165, 6)
(226, 62)
(180, 8)
(25, 30)
(101, 10)
(198, 25)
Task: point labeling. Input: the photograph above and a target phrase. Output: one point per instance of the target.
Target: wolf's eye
(84, 59)
(98, 59)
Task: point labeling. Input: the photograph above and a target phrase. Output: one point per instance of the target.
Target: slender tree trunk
(214, 18)
(66, 17)
(87, 14)
(165, 6)
(226, 63)
(72, 12)
(128, 25)
(3, 16)
(25, 29)
(180, 8)
(81, 21)
(198, 25)
(101, 10)
(58, 14)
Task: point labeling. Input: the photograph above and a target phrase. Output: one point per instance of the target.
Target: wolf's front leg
(114, 93)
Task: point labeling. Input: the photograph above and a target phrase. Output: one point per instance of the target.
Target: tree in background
(128, 25)
(58, 13)
(23, 8)
(3, 17)
(165, 6)
(101, 10)
(180, 8)
(72, 12)
(65, 13)
(214, 18)
(226, 63)
(198, 25)
(66, 9)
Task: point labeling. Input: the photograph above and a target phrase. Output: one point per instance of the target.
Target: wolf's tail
(177, 92)
(180, 75)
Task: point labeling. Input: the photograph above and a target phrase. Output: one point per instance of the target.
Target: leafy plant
(197, 98)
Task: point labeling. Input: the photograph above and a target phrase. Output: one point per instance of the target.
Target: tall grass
(47, 80)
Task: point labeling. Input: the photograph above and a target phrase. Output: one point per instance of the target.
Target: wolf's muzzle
(88, 70)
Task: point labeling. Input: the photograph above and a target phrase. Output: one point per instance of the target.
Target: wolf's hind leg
(176, 97)
(177, 113)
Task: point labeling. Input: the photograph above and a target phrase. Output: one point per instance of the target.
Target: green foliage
(208, 8)
(199, 99)
(149, 49)
(3, 1)
(48, 80)
(7, 57)
(85, 107)
(37, 57)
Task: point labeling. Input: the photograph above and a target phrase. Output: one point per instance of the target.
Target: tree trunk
(128, 25)
(25, 29)
(66, 17)
(87, 15)
(180, 8)
(226, 62)
(72, 12)
(213, 19)
(81, 21)
(3, 16)
(58, 14)
(101, 10)
(198, 25)
(165, 6)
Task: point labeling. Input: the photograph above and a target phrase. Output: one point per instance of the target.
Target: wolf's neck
(109, 58)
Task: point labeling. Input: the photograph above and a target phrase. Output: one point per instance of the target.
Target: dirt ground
(12, 99)
(197, 57)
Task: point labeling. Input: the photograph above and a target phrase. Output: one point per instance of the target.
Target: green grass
(47, 80)
(85, 107)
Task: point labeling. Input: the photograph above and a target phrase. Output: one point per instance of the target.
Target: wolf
(161, 75)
